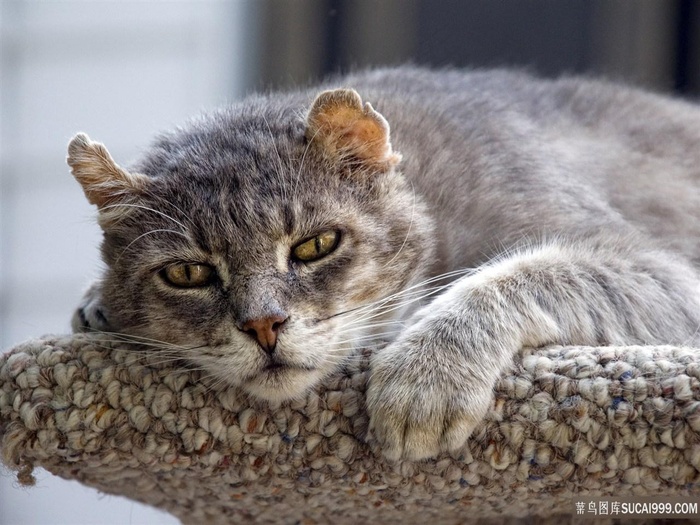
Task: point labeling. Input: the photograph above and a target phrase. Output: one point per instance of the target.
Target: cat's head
(251, 242)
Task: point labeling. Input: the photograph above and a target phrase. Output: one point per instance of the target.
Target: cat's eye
(188, 275)
(316, 247)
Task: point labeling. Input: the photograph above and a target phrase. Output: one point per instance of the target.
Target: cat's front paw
(90, 315)
(424, 399)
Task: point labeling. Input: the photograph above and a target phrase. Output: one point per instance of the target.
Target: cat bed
(567, 423)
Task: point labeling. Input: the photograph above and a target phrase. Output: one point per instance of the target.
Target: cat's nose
(265, 331)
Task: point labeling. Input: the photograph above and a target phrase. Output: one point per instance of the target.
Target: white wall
(120, 71)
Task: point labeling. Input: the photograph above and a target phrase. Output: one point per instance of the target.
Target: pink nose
(265, 331)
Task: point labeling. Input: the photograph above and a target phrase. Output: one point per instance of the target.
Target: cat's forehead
(253, 151)
(257, 178)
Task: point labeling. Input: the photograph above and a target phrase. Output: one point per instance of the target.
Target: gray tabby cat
(264, 241)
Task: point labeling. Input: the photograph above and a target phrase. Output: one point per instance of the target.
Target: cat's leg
(432, 386)
(90, 316)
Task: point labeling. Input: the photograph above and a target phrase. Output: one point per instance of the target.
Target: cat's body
(578, 203)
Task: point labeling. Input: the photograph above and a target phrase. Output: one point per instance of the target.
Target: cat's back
(505, 136)
(472, 97)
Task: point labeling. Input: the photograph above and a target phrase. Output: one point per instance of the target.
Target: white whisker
(368, 326)
(379, 337)
(279, 162)
(416, 288)
(301, 165)
(408, 232)
(384, 309)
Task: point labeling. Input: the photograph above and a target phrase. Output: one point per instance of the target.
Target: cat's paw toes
(90, 315)
(418, 410)
(419, 430)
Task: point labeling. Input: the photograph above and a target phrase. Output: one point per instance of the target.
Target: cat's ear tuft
(102, 179)
(347, 130)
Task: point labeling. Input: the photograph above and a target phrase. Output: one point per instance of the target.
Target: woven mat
(568, 422)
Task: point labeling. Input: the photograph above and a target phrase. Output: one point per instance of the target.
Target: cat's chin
(282, 384)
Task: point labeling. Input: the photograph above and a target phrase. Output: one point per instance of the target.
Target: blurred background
(122, 71)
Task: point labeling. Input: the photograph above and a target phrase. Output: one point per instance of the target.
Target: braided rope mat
(567, 422)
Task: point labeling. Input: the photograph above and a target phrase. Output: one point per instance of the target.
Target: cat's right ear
(103, 180)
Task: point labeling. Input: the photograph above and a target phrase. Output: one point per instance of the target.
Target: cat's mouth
(275, 366)
(280, 381)
(281, 368)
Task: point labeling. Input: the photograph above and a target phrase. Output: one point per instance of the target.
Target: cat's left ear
(103, 180)
(346, 130)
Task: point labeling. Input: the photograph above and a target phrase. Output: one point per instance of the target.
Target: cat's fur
(575, 202)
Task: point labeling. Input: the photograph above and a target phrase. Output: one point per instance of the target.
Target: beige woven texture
(568, 422)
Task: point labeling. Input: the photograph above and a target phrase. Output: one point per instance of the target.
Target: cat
(470, 215)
